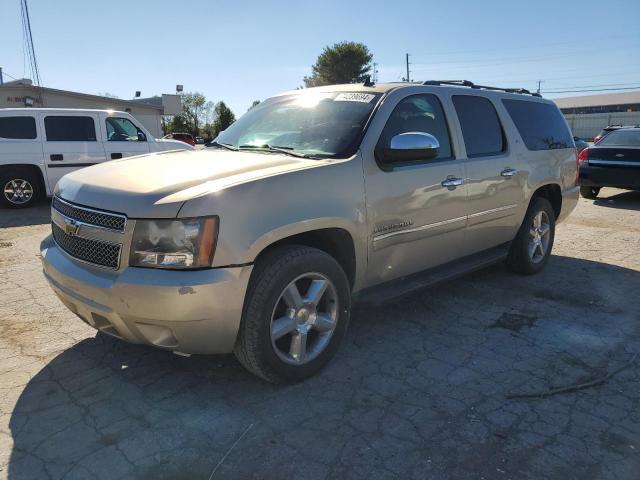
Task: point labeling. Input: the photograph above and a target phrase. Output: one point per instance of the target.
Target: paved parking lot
(418, 390)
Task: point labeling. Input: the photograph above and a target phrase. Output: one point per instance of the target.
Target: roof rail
(467, 83)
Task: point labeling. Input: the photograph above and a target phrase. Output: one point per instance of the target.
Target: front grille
(100, 219)
(92, 251)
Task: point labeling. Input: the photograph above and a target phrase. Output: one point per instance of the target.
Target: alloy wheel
(18, 191)
(304, 318)
(539, 235)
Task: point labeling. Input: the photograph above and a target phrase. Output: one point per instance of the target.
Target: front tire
(295, 315)
(530, 250)
(590, 192)
(21, 188)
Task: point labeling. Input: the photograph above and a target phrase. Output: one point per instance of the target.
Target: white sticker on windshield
(354, 97)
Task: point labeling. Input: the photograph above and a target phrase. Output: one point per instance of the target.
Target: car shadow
(629, 200)
(107, 409)
(39, 214)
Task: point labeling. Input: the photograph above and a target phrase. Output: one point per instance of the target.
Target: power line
(28, 41)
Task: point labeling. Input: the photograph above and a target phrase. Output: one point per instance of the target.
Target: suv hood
(157, 185)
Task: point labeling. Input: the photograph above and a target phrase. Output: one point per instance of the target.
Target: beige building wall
(19, 95)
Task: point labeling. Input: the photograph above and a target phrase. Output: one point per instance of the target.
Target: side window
(540, 125)
(123, 130)
(481, 128)
(418, 113)
(22, 128)
(70, 129)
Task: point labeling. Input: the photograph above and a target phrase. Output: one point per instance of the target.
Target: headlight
(184, 243)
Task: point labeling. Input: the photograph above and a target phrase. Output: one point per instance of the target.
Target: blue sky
(242, 50)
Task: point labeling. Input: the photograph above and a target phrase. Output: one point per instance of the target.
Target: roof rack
(467, 83)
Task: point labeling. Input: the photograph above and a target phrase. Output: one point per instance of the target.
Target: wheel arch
(30, 167)
(335, 241)
(553, 193)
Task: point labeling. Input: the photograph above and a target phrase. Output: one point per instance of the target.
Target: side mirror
(142, 137)
(409, 146)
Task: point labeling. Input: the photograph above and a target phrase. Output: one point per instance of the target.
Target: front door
(71, 141)
(415, 210)
(122, 137)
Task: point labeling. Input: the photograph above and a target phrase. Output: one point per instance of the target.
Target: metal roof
(622, 98)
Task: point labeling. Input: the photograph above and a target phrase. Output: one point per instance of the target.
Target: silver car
(259, 244)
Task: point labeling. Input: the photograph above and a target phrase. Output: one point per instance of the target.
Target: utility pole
(539, 82)
(1, 80)
(408, 72)
(375, 72)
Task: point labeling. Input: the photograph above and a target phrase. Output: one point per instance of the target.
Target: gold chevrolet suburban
(258, 244)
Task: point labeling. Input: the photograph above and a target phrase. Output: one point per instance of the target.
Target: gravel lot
(418, 389)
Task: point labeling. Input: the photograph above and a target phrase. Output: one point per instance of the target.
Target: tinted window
(123, 130)
(540, 125)
(18, 127)
(480, 125)
(418, 113)
(623, 138)
(70, 129)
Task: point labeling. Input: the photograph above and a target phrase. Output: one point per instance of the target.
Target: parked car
(181, 137)
(40, 145)
(604, 131)
(312, 199)
(613, 162)
(580, 144)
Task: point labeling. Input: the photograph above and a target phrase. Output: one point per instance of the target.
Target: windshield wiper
(273, 148)
(222, 145)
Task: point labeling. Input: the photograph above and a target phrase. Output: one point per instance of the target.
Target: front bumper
(196, 311)
(603, 176)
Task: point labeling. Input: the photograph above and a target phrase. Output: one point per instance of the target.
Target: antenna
(28, 42)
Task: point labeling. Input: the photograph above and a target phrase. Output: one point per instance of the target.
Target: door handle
(115, 156)
(56, 157)
(452, 182)
(508, 172)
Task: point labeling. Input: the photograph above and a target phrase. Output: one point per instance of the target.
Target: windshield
(322, 124)
(627, 138)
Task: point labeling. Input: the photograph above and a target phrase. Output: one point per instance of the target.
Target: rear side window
(23, 128)
(70, 129)
(540, 125)
(480, 125)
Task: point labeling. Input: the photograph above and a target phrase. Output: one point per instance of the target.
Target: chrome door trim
(419, 229)
(493, 210)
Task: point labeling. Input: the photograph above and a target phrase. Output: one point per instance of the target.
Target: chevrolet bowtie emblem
(70, 227)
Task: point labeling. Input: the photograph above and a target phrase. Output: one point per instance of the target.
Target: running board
(403, 286)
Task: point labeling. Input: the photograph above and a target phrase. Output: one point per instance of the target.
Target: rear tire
(295, 315)
(531, 248)
(20, 188)
(590, 192)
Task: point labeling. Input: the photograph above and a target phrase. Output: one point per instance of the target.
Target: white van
(40, 145)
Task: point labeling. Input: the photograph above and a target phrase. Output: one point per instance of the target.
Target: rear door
(123, 138)
(494, 174)
(71, 141)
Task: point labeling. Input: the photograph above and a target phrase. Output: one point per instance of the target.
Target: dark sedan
(613, 162)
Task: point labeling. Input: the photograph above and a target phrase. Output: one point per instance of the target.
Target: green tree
(223, 117)
(344, 62)
(194, 108)
(253, 104)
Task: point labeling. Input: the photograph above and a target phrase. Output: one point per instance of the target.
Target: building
(22, 93)
(589, 114)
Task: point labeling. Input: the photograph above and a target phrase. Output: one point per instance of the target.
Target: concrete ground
(418, 390)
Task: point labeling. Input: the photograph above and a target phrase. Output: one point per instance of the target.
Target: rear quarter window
(22, 128)
(70, 129)
(540, 125)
